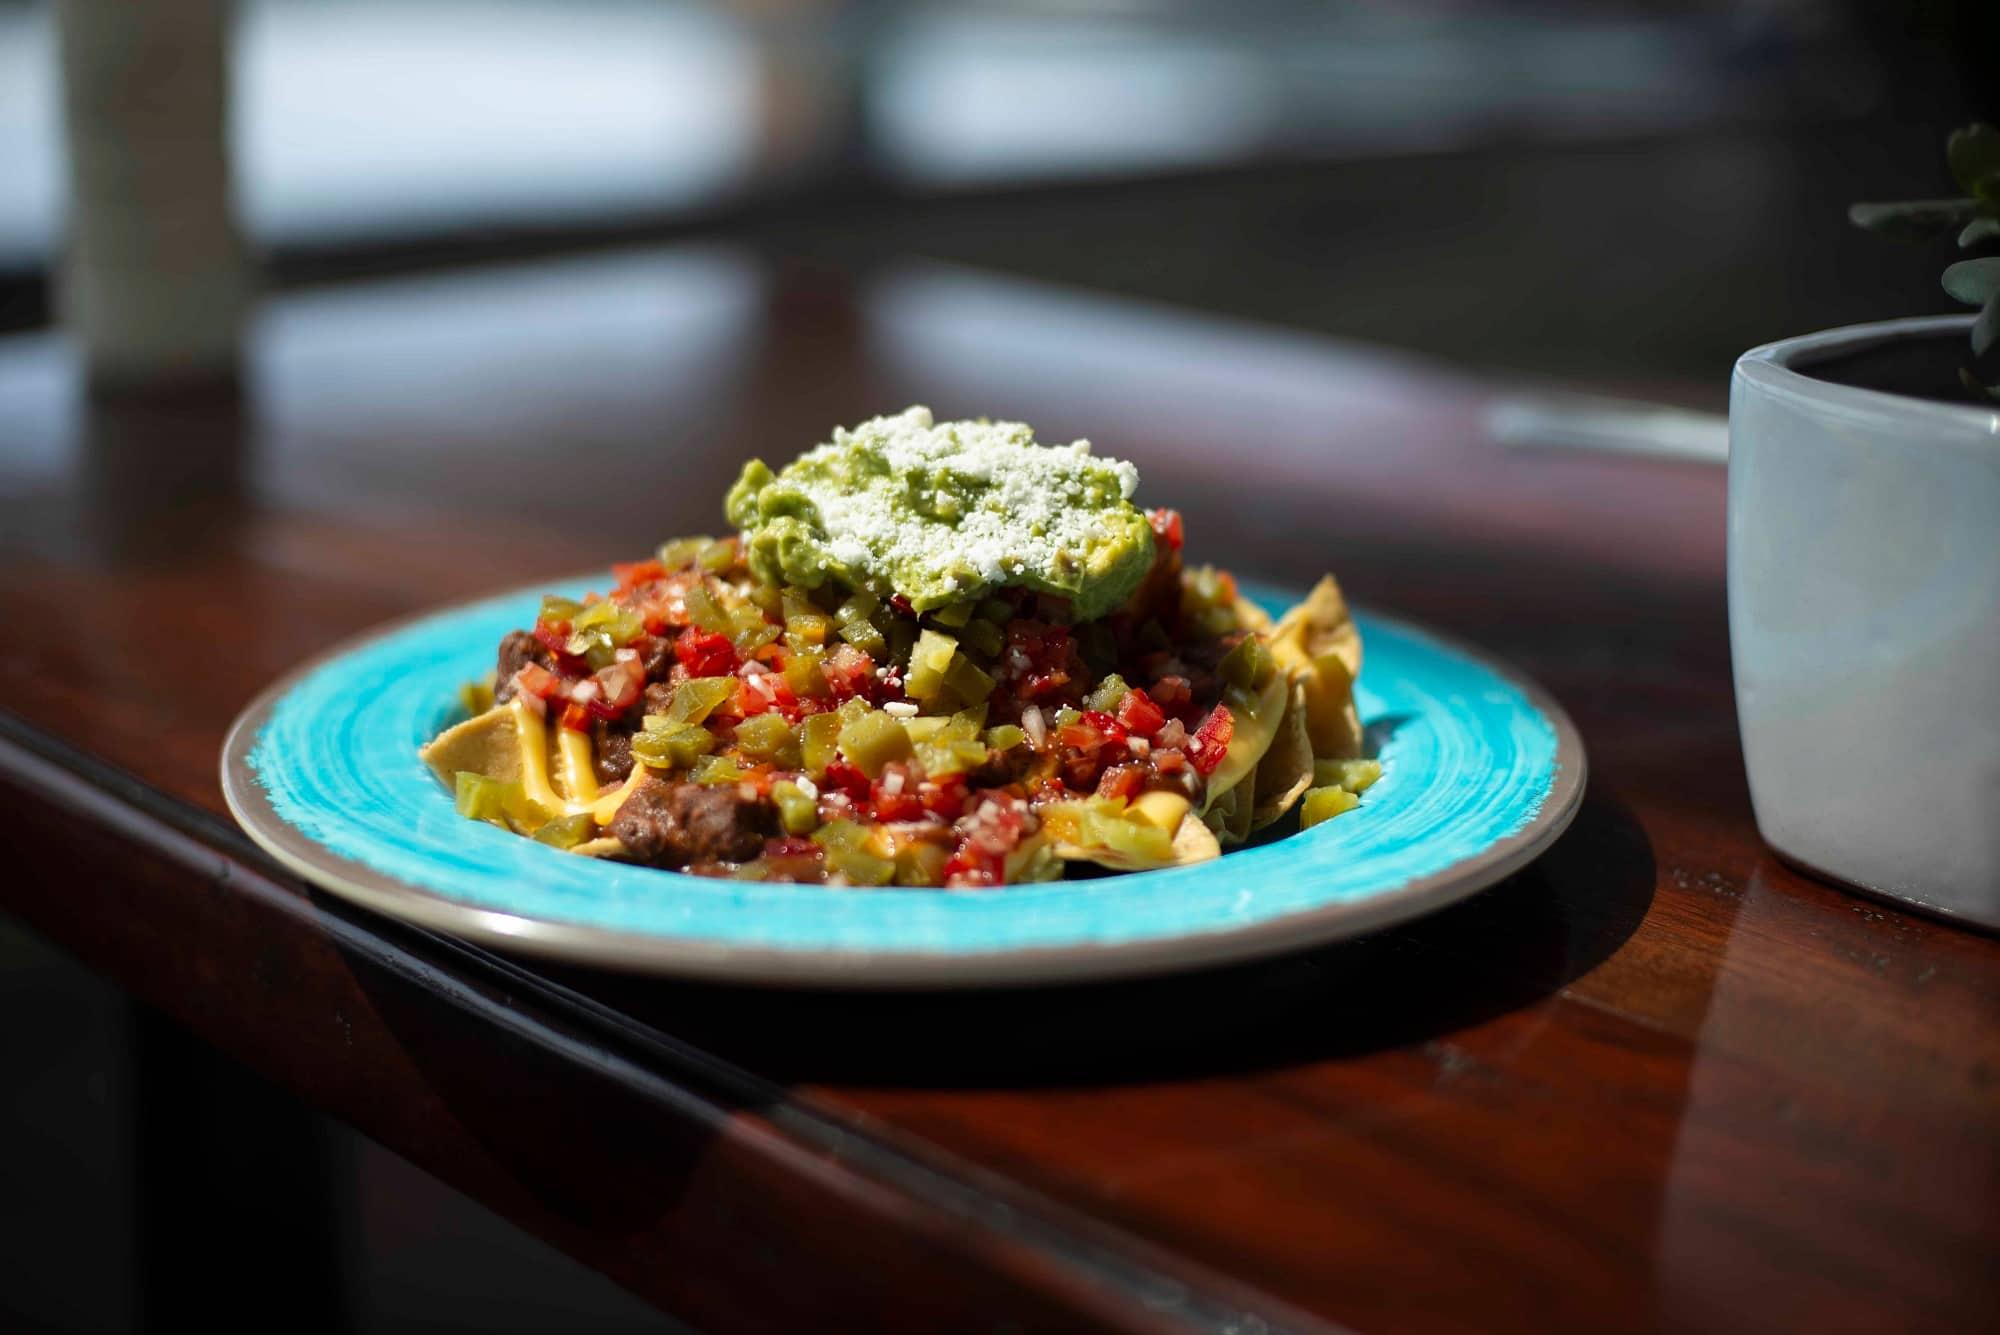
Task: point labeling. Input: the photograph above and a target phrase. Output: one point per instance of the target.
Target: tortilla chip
(1242, 806)
(1194, 841)
(1332, 722)
(1035, 859)
(1318, 624)
(1256, 725)
(487, 744)
(1159, 811)
(1250, 616)
(1287, 768)
(1317, 642)
(1228, 817)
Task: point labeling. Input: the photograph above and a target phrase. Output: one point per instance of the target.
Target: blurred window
(370, 121)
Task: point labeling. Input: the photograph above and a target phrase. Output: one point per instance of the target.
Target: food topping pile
(931, 654)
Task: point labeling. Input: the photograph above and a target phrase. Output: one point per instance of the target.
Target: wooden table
(1658, 1081)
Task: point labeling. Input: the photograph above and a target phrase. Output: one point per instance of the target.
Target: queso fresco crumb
(942, 512)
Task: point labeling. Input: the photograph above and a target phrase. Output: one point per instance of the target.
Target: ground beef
(675, 824)
(659, 695)
(656, 655)
(611, 748)
(517, 650)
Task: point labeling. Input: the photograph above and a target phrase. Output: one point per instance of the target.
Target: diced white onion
(1035, 726)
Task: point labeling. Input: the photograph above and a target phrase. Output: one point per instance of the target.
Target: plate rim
(867, 969)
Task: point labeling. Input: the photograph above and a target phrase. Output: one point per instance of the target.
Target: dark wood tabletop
(1656, 1081)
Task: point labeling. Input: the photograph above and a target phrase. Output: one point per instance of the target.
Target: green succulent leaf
(1977, 231)
(1914, 220)
(1974, 156)
(1986, 329)
(1974, 282)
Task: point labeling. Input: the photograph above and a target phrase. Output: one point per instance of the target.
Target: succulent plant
(1973, 154)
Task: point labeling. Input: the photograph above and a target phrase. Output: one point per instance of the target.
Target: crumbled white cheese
(990, 504)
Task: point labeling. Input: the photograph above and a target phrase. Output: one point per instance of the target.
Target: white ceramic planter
(1864, 619)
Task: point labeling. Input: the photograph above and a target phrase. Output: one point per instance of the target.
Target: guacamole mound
(944, 512)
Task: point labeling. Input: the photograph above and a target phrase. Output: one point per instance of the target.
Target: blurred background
(1623, 195)
(1616, 189)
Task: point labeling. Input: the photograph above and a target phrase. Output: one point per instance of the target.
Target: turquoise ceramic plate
(1481, 771)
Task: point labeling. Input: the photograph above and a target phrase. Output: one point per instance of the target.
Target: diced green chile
(478, 797)
(673, 745)
(698, 697)
(798, 813)
(872, 741)
(1108, 693)
(566, 831)
(763, 736)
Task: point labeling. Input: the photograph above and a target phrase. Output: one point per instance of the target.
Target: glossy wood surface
(1658, 1081)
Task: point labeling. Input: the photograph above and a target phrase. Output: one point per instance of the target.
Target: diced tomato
(1123, 782)
(1139, 714)
(555, 636)
(1211, 740)
(993, 831)
(538, 681)
(791, 846)
(631, 574)
(902, 605)
(618, 688)
(1083, 745)
(765, 692)
(576, 717)
(1105, 726)
(945, 797)
(1167, 528)
(843, 776)
(760, 777)
(706, 653)
(850, 672)
(1049, 653)
(971, 865)
(1079, 738)
(888, 806)
(1169, 762)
